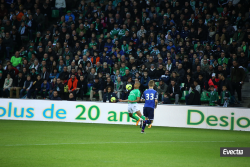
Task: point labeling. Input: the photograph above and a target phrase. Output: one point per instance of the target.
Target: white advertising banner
(116, 113)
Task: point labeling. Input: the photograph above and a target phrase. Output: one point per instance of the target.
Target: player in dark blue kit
(150, 97)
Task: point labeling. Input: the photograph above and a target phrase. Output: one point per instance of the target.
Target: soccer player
(133, 99)
(150, 97)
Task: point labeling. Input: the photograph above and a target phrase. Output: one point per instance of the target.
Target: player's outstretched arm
(135, 101)
(120, 100)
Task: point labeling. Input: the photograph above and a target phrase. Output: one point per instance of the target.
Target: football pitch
(34, 144)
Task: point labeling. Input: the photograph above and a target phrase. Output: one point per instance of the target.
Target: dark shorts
(148, 112)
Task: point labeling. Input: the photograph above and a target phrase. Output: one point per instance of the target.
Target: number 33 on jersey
(150, 96)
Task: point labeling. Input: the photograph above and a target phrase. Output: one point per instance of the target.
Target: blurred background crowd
(196, 51)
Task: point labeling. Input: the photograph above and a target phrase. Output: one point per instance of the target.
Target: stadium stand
(46, 46)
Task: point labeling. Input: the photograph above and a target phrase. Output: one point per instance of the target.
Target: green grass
(28, 143)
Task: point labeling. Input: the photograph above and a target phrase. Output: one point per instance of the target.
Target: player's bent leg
(130, 115)
(131, 112)
(136, 118)
(140, 115)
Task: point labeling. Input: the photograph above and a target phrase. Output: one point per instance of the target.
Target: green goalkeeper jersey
(133, 95)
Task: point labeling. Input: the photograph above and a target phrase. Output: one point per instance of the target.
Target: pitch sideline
(51, 144)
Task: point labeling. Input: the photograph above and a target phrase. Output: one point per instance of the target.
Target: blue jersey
(150, 96)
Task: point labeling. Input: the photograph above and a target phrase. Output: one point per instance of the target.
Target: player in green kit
(133, 99)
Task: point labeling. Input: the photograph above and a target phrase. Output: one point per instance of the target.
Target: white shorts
(132, 107)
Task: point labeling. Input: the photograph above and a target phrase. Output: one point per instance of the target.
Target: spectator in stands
(23, 31)
(223, 59)
(243, 60)
(71, 97)
(7, 85)
(10, 70)
(82, 86)
(194, 96)
(68, 15)
(72, 84)
(44, 74)
(237, 79)
(166, 77)
(239, 35)
(107, 96)
(91, 76)
(51, 87)
(150, 62)
(213, 81)
(26, 86)
(33, 74)
(108, 83)
(197, 88)
(17, 85)
(195, 64)
(39, 19)
(144, 81)
(152, 72)
(118, 87)
(105, 69)
(8, 43)
(181, 73)
(175, 76)
(225, 96)
(174, 91)
(96, 88)
(64, 74)
(213, 96)
(166, 99)
(16, 60)
(59, 87)
(224, 81)
(202, 82)
(127, 75)
(55, 96)
(161, 89)
(187, 83)
(53, 75)
(60, 5)
(72, 66)
(123, 69)
(36, 88)
(205, 66)
(45, 89)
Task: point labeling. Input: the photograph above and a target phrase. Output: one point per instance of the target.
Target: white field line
(54, 144)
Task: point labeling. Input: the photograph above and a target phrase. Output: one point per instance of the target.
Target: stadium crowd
(195, 50)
